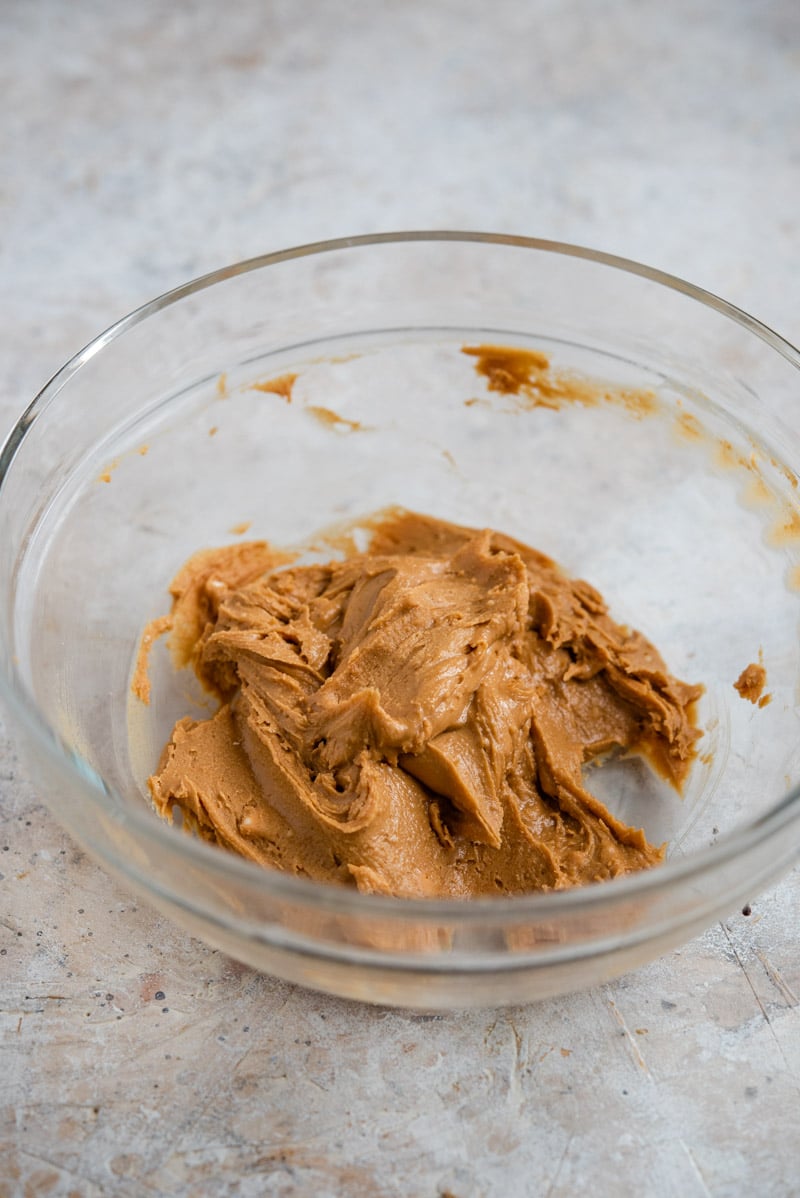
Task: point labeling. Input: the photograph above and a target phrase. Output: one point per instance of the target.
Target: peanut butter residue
(414, 720)
(281, 385)
(688, 426)
(506, 369)
(751, 682)
(140, 684)
(333, 420)
(195, 592)
(786, 530)
(105, 475)
(528, 375)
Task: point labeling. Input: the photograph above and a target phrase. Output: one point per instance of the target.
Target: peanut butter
(414, 720)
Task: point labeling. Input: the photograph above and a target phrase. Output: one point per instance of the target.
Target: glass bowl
(157, 440)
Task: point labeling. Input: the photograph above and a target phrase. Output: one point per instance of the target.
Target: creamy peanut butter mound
(413, 720)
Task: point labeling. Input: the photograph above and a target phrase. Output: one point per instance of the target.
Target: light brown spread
(282, 385)
(751, 682)
(527, 374)
(414, 720)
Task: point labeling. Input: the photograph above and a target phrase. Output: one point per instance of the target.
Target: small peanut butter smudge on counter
(105, 475)
(566, 1052)
(793, 579)
(212, 432)
(238, 530)
(281, 385)
(222, 386)
(751, 682)
(143, 450)
(527, 375)
(333, 419)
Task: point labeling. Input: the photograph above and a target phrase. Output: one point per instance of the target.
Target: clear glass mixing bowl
(152, 443)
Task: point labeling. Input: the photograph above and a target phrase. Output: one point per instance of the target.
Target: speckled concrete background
(146, 143)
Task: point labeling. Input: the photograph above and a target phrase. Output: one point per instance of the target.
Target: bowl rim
(340, 899)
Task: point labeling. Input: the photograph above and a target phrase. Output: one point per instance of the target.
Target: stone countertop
(147, 143)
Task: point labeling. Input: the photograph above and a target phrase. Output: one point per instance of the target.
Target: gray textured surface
(143, 144)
